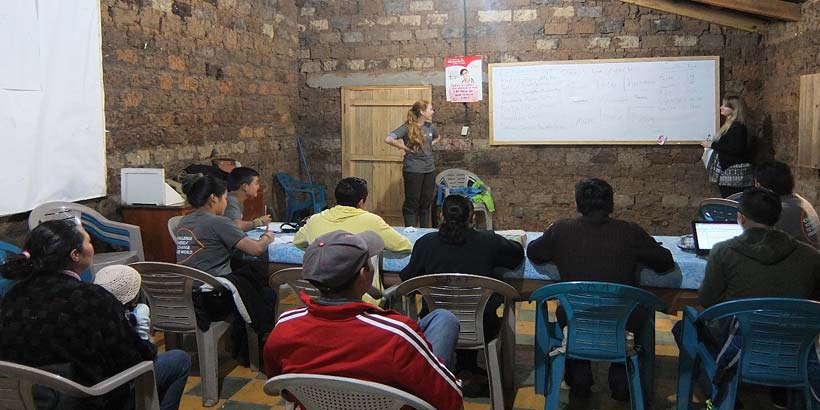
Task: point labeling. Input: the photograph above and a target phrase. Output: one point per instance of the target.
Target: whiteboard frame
(490, 67)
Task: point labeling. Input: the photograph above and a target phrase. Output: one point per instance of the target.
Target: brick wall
(656, 186)
(791, 50)
(184, 79)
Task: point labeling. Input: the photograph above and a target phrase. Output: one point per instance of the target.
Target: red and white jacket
(360, 341)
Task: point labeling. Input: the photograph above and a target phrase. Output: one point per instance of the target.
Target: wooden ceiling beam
(705, 13)
(778, 9)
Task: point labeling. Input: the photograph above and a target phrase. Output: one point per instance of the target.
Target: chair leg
(556, 376)
(146, 395)
(811, 403)
(492, 354)
(173, 341)
(728, 391)
(541, 349)
(208, 356)
(633, 372)
(253, 348)
(688, 363)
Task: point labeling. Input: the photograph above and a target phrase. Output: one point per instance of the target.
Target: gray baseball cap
(336, 257)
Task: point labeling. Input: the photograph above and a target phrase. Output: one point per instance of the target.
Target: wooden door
(368, 115)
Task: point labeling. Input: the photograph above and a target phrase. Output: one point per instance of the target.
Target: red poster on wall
(463, 78)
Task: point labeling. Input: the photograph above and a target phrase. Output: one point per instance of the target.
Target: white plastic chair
(169, 288)
(467, 296)
(111, 232)
(320, 392)
(17, 382)
(291, 278)
(173, 223)
(460, 178)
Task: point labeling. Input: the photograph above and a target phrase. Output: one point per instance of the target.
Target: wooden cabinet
(153, 223)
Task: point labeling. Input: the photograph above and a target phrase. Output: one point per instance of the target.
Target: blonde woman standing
(416, 138)
(730, 166)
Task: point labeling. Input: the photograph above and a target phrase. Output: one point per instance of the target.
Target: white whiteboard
(51, 103)
(629, 101)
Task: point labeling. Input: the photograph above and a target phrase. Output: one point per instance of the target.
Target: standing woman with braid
(416, 138)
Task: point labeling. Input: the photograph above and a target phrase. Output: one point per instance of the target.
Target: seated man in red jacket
(338, 334)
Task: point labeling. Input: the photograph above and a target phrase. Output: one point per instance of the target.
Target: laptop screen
(707, 234)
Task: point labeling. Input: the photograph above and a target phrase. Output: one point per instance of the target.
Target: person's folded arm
(509, 253)
(541, 250)
(652, 254)
(393, 241)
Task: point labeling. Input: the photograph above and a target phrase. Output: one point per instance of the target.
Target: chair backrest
(111, 232)
(777, 335)
(321, 392)
(458, 178)
(172, 227)
(6, 249)
(17, 385)
(597, 313)
(717, 209)
(169, 288)
(292, 278)
(286, 181)
(464, 295)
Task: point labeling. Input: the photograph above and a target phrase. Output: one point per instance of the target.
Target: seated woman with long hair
(458, 247)
(52, 320)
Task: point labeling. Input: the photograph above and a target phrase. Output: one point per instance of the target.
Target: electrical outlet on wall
(465, 130)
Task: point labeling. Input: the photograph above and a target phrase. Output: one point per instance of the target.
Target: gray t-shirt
(205, 242)
(420, 161)
(799, 219)
(235, 209)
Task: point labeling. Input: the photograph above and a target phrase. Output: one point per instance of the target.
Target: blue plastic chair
(717, 209)
(5, 249)
(597, 313)
(777, 334)
(312, 196)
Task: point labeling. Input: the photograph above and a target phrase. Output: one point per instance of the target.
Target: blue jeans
(441, 328)
(171, 372)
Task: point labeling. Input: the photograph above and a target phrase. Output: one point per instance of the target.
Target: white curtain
(52, 125)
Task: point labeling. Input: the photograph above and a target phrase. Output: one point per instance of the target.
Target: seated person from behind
(798, 217)
(458, 247)
(243, 183)
(79, 329)
(762, 262)
(597, 247)
(172, 367)
(338, 334)
(349, 215)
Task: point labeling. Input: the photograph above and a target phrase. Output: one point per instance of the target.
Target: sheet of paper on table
(517, 235)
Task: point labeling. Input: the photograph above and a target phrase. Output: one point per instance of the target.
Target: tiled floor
(242, 389)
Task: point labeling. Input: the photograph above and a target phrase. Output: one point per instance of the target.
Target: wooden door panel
(369, 114)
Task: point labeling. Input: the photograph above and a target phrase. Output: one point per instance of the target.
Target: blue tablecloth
(688, 272)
